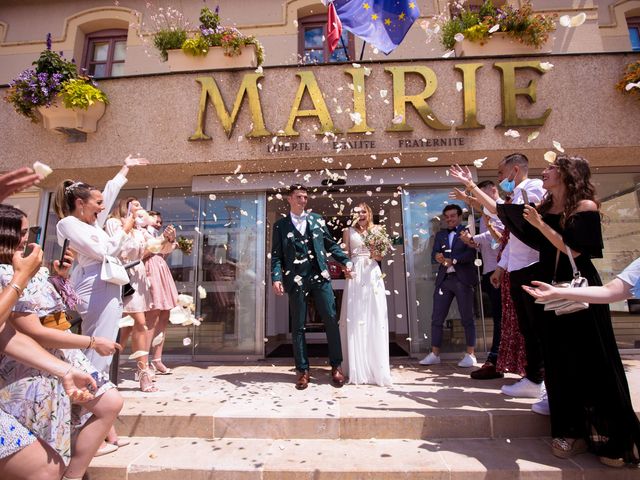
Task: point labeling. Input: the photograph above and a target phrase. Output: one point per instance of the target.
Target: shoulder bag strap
(576, 272)
(555, 269)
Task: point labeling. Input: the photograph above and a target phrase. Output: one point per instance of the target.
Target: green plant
(170, 30)
(630, 81)
(520, 24)
(197, 46)
(80, 93)
(52, 76)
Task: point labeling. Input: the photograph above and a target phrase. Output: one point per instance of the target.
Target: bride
(364, 328)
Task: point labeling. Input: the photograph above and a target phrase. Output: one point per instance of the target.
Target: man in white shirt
(521, 261)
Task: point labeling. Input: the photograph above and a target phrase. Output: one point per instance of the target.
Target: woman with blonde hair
(134, 248)
(364, 325)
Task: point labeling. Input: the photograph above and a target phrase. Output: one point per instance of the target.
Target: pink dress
(163, 294)
(133, 248)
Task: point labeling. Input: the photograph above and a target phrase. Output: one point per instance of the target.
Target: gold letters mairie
(308, 83)
(210, 90)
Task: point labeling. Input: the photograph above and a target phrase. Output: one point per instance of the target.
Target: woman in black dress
(588, 393)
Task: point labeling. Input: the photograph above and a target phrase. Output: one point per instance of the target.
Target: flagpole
(344, 47)
(364, 43)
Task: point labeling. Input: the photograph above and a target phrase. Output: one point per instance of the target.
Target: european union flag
(382, 23)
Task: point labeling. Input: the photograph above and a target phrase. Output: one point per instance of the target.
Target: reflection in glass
(120, 50)
(100, 51)
(313, 37)
(339, 54)
(117, 69)
(422, 211)
(228, 273)
(98, 70)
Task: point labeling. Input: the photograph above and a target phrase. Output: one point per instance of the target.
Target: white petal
(397, 119)
(186, 341)
(202, 293)
(126, 322)
(546, 66)
(558, 147)
(458, 37)
(532, 136)
(448, 54)
(432, 159)
(565, 20)
(356, 118)
(512, 133)
(550, 156)
(138, 354)
(157, 340)
(494, 29)
(578, 19)
(42, 169)
(459, 86)
(478, 163)
(477, 262)
(383, 93)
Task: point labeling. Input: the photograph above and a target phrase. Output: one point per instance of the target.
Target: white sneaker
(469, 360)
(431, 359)
(541, 407)
(524, 388)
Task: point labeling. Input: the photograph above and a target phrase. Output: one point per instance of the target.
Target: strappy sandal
(568, 447)
(146, 381)
(160, 368)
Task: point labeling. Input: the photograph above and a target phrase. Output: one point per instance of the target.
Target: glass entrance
(335, 206)
(220, 272)
(422, 209)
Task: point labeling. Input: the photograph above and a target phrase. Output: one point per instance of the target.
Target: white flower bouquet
(377, 241)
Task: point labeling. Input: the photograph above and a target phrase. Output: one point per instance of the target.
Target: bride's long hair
(356, 217)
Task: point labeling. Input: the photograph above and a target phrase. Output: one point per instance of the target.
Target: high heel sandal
(145, 378)
(159, 367)
(568, 447)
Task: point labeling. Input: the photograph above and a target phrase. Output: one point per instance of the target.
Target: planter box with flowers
(498, 31)
(213, 47)
(55, 92)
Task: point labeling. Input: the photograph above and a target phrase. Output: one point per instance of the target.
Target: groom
(299, 266)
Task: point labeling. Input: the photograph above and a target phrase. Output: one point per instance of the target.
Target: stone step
(260, 402)
(153, 458)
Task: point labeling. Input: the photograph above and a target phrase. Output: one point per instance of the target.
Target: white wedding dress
(364, 325)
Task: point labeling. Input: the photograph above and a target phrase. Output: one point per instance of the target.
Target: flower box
(59, 118)
(498, 44)
(215, 59)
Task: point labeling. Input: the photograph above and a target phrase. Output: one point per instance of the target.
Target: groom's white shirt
(300, 221)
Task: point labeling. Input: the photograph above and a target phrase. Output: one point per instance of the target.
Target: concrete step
(261, 402)
(153, 458)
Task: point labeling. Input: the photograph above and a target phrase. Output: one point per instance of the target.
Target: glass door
(422, 211)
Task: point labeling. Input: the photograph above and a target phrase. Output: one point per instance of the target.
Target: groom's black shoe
(337, 377)
(303, 380)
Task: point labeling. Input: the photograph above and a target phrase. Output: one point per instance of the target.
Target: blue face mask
(507, 185)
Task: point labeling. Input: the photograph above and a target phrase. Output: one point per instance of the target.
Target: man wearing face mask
(521, 262)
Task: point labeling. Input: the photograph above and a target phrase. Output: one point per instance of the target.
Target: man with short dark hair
(299, 266)
(456, 278)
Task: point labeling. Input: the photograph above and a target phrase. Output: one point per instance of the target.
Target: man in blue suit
(457, 277)
(300, 249)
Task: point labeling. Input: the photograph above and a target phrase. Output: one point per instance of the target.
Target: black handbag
(127, 289)
(564, 306)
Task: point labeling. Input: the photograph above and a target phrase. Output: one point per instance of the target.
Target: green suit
(300, 262)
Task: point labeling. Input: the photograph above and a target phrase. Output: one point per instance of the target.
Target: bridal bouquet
(377, 241)
(185, 244)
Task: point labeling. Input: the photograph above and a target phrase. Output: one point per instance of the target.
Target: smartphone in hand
(65, 246)
(525, 197)
(33, 237)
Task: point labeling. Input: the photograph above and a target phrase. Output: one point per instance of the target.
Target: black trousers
(530, 316)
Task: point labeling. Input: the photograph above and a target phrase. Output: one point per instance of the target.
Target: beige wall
(155, 115)
(23, 27)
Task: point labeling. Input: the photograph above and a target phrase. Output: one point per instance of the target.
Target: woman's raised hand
(170, 233)
(26, 267)
(134, 161)
(532, 216)
(463, 175)
(64, 268)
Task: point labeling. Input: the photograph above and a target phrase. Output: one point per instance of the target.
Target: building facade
(373, 128)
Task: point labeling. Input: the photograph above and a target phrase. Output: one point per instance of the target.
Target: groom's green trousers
(325, 303)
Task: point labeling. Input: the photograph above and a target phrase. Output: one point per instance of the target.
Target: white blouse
(90, 242)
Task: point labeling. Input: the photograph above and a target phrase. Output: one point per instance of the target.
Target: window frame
(320, 20)
(112, 36)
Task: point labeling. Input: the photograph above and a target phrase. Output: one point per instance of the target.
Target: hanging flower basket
(215, 59)
(59, 118)
(498, 43)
